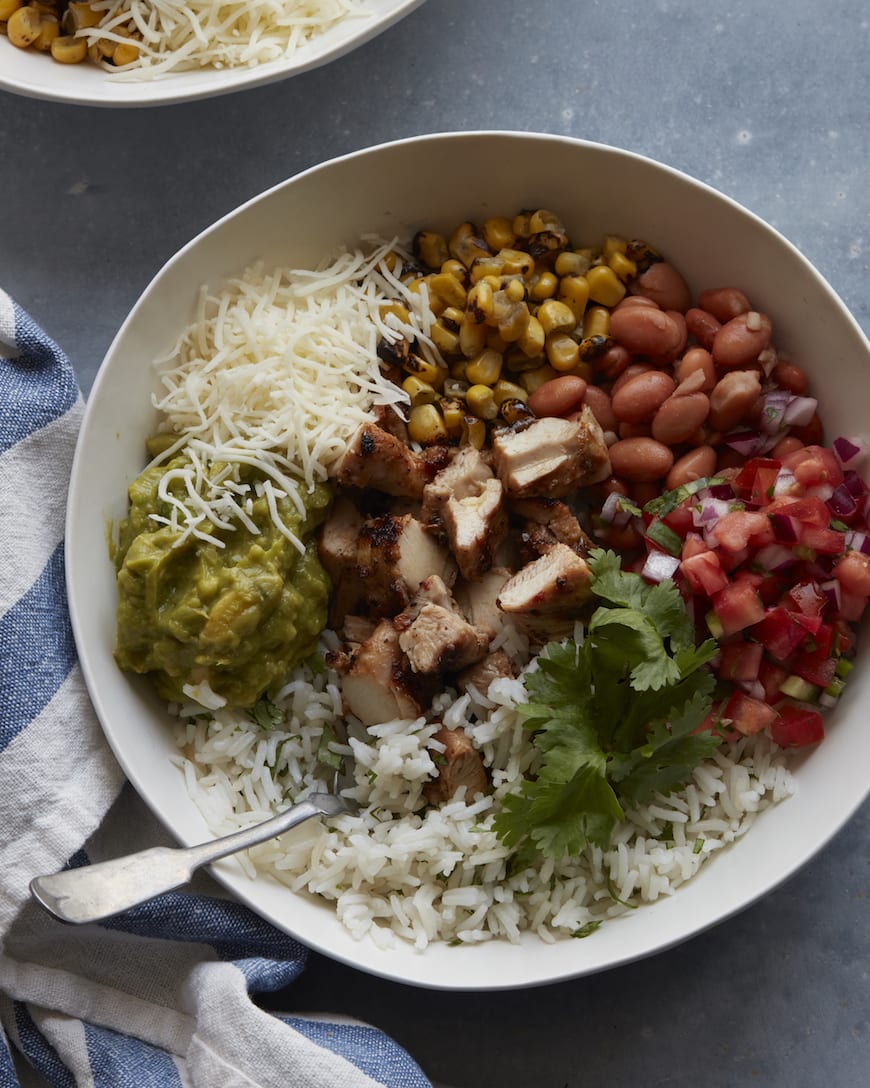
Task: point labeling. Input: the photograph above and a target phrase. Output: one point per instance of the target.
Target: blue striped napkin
(159, 996)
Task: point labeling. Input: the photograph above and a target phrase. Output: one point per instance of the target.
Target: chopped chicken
(440, 639)
(551, 457)
(378, 685)
(557, 583)
(375, 458)
(548, 522)
(337, 547)
(479, 600)
(466, 499)
(494, 666)
(357, 629)
(459, 765)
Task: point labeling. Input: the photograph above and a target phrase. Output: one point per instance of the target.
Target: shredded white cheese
(277, 372)
(180, 35)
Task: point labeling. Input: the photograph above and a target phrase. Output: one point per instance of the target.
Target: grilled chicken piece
(337, 547)
(439, 639)
(378, 685)
(548, 522)
(551, 457)
(479, 600)
(494, 666)
(394, 556)
(375, 458)
(459, 765)
(357, 629)
(556, 584)
(466, 500)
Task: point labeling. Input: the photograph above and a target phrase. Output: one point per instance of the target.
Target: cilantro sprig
(613, 716)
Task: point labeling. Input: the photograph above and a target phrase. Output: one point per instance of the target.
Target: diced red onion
(659, 566)
(830, 590)
(785, 481)
(755, 689)
(773, 410)
(849, 450)
(720, 491)
(613, 512)
(708, 513)
(820, 491)
(855, 483)
(799, 411)
(859, 542)
(785, 528)
(842, 503)
(775, 557)
(746, 443)
(827, 701)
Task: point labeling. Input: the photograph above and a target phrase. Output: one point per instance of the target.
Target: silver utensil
(94, 892)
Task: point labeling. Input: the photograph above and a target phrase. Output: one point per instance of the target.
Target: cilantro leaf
(266, 714)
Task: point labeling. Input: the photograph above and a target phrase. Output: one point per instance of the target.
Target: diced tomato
(737, 606)
(823, 541)
(756, 480)
(852, 606)
(771, 588)
(780, 632)
(815, 666)
(740, 661)
(824, 639)
(770, 676)
(814, 465)
(733, 560)
(796, 726)
(805, 598)
(853, 573)
(809, 511)
(748, 714)
(704, 573)
(741, 529)
(694, 544)
(680, 519)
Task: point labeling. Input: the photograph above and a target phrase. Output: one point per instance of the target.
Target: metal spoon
(94, 892)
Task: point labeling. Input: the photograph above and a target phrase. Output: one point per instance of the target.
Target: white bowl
(439, 181)
(35, 75)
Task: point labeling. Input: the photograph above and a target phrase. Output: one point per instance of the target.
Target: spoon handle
(94, 892)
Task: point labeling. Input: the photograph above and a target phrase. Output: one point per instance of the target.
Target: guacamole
(237, 617)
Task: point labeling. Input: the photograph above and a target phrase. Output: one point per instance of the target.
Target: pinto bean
(598, 403)
(694, 465)
(785, 446)
(559, 396)
(635, 300)
(724, 303)
(679, 418)
(613, 362)
(639, 398)
(790, 377)
(703, 326)
(629, 373)
(741, 340)
(697, 360)
(644, 330)
(664, 285)
(634, 430)
(680, 345)
(639, 460)
(733, 397)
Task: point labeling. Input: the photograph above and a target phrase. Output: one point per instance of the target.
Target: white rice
(441, 874)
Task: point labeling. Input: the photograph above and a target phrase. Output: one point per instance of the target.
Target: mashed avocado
(237, 617)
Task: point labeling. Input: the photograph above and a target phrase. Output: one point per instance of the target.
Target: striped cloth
(161, 995)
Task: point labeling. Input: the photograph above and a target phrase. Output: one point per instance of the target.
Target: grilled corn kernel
(23, 27)
(420, 392)
(397, 310)
(67, 49)
(473, 432)
(457, 370)
(472, 338)
(82, 15)
(563, 352)
(512, 410)
(452, 267)
(486, 267)
(125, 53)
(512, 317)
(479, 305)
(642, 253)
(622, 266)
(49, 29)
(453, 317)
(455, 388)
(605, 287)
(521, 224)
(544, 220)
(543, 285)
(515, 289)
(103, 48)
(498, 233)
(448, 288)
(596, 322)
(531, 343)
(484, 369)
(481, 402)
(571, 263)
(574, 292)
(452, 412)
(593, 347)
(533, 379)
(504, 390)
(517, 262)
(611, 245)
(496, 341)
(425, 370)
(7, 7)
(466, 245)
(430, 248)
(445, 339)
(555, 316)
(426, 426)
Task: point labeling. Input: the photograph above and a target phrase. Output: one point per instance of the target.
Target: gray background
(767, 101)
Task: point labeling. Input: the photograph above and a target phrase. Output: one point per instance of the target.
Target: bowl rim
(196, 84)
(226, 873)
